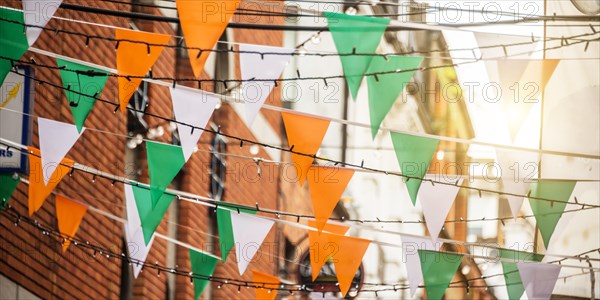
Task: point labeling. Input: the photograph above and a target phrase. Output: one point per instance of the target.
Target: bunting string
(275, 108)
(209, 202)
(286, 287)
(180, 44)
(424, 10)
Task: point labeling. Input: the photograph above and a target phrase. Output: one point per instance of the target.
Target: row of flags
(425, 264)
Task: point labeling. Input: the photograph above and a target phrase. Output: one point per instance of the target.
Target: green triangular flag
(8, 184)
(203, 265)
(548, 213)
(226, 240)
(438, 269)
(149, 216)
(414, 155)
(164, 162)
(355, 34)
(385, 88)
(13, 43)
(514, 285)
(78, 82)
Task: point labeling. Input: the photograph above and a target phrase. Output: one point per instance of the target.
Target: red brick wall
(36, 263)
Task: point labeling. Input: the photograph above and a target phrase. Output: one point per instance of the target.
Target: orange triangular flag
(203, 22)
(135, 58)
(347, 258)
(318, 244)
(268, 283)
(69, 214)
(327, 184)
(305, 135)
(38, 191)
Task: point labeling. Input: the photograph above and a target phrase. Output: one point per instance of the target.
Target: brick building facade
(35, 263)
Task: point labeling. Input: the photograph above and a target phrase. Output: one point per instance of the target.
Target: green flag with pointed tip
(8, 184)
(164, 162)
(79, 79)
(150, 216)
(512, 279)
(203, 265)
(547, 214)
(414, 155)
(13, 41)
(355, 34)
(226, 240)
(438, 270)
(384, 89)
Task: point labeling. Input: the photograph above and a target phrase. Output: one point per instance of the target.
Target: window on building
(218, 167)
(11, 290)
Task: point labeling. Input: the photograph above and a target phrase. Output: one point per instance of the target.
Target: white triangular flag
(138, 250)
(56, 139)
(248, 233)
(193, 107)
(257, 66)
(538, 278)
(410, 256)
(436, 201)
(37, 14)
(517, 169)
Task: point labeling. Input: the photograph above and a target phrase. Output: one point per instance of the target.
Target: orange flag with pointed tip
(268, 282)
(318, 245)
(38, 190)
(326, 184)
(203, 22)
(305, 135)
(135, 58)
(69, 214)
(347, 257)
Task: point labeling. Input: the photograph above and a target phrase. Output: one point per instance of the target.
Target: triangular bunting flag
(249, 232)
(203, 265)
(8, 184)
(326, 184)
(137, 246)
(150, 217)
(68, 214)
(193, 107)
(259, 66)
(268, 282)
(56, 139)
(38, 13)
(523, 80)
(355, 34)
(414, 155)
(438, 270)
(347, 258)
(319, 242)
(203, 22)
(517, 168)
(164, 163)
(385, 88)
(135, 58)
(305, 135)
(226, 239)
(436, 201)
(538, 278)
(38, 190)
(410, 255)
(512, 279)
(13, 42)
(77, 82)
(547, 214)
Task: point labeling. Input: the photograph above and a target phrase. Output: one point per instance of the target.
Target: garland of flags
(136, 54)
